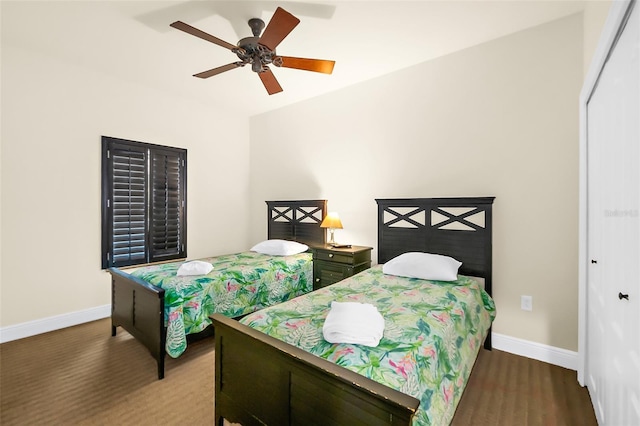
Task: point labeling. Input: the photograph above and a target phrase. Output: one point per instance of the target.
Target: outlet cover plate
(526, 303)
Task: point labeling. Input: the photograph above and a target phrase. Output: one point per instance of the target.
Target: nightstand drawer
(351, 255)
(327, 274)
(334, 257)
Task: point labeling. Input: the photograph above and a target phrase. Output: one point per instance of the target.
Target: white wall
(499, 119)
(53, 115)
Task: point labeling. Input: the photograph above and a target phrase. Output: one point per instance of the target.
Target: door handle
(623, 296)
(594, 261)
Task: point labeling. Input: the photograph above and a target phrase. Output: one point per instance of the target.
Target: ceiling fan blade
(201, 34)
(218, 70)
(316, 65)
(269, 81)
(281, 24)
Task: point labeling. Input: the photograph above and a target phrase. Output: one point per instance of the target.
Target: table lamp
(331, 221)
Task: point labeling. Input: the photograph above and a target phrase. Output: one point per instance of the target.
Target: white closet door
(613, 285)
(596, 360)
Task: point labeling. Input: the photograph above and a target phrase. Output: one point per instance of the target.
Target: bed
(262, 379)
(161, 309)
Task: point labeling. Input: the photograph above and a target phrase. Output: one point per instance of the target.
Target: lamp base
(331, 240)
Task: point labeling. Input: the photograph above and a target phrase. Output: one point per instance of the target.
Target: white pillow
(426, 266)
(279, 247)
(195, 267)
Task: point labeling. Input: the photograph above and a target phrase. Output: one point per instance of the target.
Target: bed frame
(138, 306)
(262, 380)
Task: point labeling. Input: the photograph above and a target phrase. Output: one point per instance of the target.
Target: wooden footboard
(262, 380)
(138, 307)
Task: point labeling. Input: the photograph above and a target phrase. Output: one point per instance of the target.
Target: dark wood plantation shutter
(166, 205)
(128, 205)
(143, 203)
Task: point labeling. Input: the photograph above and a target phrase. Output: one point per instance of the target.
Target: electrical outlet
(526, 303)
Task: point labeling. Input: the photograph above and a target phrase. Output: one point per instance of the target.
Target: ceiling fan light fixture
(256, 66)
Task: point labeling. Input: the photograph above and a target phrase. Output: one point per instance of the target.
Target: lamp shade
(331, 220)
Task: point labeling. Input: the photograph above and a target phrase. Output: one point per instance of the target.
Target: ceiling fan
(260, 50)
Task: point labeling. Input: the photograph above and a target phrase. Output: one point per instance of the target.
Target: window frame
(169, 186)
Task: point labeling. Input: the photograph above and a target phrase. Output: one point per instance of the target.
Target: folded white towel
(353, 322)
(195, 267)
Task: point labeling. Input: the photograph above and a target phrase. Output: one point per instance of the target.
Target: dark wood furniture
(298, 388)
(333, 264)
(138, 306)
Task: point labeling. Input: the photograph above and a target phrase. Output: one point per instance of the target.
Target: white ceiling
(132, 40)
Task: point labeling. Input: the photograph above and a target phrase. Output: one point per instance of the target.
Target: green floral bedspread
(433, 331)
(239, 284)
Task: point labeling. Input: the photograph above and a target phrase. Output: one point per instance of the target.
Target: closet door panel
(613, 288)
(596, 306)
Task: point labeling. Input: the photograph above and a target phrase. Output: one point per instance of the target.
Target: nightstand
(331, 264)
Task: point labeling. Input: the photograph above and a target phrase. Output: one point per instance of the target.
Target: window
(144, 203)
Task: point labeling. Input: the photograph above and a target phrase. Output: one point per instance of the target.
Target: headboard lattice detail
(297, 220)
(456, 227)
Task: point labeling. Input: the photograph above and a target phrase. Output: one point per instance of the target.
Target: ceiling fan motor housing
(249, 51)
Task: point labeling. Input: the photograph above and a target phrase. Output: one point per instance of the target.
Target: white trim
(31, 328)
(545, 353)
(610, 30)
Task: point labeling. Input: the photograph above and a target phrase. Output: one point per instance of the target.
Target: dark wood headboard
(456, 227)
(297, 220)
